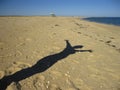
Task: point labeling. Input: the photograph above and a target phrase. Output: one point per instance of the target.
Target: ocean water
(105, 20)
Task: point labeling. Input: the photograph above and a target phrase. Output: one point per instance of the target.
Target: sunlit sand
(24, 41)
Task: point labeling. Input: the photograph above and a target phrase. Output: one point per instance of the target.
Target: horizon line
(55, 16)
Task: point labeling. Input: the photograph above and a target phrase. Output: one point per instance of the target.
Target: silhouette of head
(72, 49)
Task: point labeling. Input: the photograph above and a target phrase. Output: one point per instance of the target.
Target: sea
(105, 20)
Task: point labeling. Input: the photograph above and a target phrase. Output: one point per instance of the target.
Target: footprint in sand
(113, 46)
(108, 41)
(39, 82)
(109, 44)
(112, 38)
(56, 25)
(79, 32)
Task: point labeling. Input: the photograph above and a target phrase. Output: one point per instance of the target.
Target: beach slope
(58, 53)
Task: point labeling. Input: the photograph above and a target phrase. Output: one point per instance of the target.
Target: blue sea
(105, 20)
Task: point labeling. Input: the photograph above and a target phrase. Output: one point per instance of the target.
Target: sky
(87, 8)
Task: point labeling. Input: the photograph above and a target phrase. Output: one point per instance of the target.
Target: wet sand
(24, 41)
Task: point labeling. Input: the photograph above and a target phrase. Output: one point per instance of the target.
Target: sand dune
(35, 56)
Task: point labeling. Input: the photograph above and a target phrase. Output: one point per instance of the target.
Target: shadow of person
(42, 65)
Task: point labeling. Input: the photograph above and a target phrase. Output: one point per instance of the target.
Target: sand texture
(58, 53)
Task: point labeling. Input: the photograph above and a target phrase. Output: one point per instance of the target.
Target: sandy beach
(58, 53)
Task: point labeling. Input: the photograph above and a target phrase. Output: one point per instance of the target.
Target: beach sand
(24, 41)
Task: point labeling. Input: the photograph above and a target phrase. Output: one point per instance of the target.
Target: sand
(24, 41)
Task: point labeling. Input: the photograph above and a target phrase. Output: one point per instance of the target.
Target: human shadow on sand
(42, 65)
